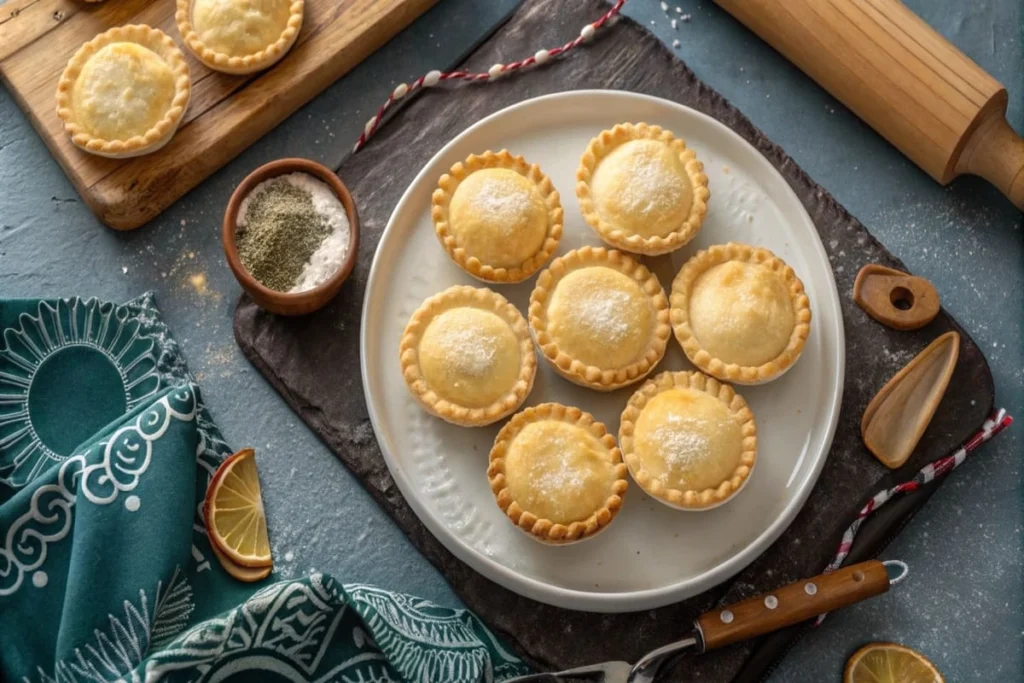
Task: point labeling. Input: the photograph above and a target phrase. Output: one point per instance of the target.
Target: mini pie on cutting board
(740, 313)
(642, 189)
(688, 440)
(124, 93)
(467, 356)
(239, 36)
(498, 216)
(557, 473)
(600, 318)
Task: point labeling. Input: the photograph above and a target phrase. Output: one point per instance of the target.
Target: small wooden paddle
(894, 298)
(897, 416)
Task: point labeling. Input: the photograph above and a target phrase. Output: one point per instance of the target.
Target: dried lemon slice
(890, 663)
(235, 520)
(246, 574)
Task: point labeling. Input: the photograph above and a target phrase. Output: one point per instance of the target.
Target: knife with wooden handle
(792, 604)
(749, 618)
(904, 79)
(788, 605)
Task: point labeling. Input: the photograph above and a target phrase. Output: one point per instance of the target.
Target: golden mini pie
(600, 318)
(498, 217)
(688, 440)
(467, 356)
(239, 36)
(557, 473)
(642, 189)
(124, 92)
(740, 313)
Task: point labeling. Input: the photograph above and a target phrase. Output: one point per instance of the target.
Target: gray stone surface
(966, 594)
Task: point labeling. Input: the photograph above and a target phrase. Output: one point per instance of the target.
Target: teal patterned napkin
(106, 572)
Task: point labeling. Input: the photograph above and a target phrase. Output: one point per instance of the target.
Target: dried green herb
(282, 231)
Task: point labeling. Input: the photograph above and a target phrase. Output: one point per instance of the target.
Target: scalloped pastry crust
(498, 216)
(642, 189)
(467, 356)
(238, 37)
(740, 313)
(600, 317)
(557, 473)
(688, 440)
(124, 93)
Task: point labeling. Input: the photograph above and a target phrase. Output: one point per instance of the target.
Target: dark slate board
(316, 369)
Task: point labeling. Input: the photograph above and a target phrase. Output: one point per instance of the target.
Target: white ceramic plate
(650, 555)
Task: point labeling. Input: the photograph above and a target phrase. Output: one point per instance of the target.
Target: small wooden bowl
(285, 303)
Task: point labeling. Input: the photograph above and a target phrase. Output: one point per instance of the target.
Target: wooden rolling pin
(908, 82)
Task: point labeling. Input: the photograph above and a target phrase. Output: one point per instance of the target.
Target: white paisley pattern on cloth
(294, 628)
(286, 627)
(125, 458)
(425, 642)
(42, 350)
(122, 647)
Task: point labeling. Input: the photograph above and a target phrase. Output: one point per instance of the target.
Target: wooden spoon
(898, 415)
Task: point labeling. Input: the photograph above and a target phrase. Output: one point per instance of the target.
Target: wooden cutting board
(226, 114)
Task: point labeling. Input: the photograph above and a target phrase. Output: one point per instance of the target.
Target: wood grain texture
(315, 369)
(905, 80)
(896, 418)
(792, 604)
(226, 114)
(878, 290)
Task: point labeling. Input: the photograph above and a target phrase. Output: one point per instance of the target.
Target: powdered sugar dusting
(558, 476)
(554, 481)
(604, 314)
(651, 185)
(468, 351)
(681, 442)
(503, 202)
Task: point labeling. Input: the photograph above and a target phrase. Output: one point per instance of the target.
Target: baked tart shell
(574, 370)
(734, 373)
(690, 499)
(545, 530)
(442, 196)
(159, 134)
(603, 144)
(239, 64)
(428, 397)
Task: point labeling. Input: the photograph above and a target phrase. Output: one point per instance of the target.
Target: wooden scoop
(894, 298)
(897, 417)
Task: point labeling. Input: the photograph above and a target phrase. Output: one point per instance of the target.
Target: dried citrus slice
(247, 574)
(890, 663)
(235, 521)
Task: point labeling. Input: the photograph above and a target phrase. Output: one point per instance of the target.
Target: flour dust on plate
(651, 554)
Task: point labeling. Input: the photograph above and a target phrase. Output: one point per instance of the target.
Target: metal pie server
(753, 617)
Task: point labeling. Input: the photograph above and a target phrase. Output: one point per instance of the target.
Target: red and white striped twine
(432, 78)
(996, 423)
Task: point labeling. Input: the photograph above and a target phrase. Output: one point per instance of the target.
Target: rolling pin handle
(995, 152)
